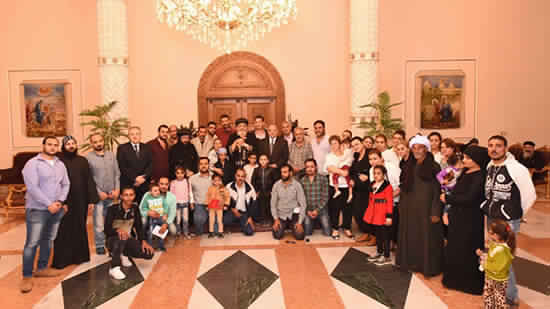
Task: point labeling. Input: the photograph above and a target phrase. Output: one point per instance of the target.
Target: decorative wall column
(363, 58)
(113, 54)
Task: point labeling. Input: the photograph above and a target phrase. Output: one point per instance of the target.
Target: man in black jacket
(122, 227)
(275, 147)
(509, 193)
(135, 161)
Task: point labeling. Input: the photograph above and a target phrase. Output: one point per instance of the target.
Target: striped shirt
(299, 154)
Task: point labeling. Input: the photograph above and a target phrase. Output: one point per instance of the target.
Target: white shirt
(393, 176)
(338, 161)
(241, 198)
(437, 157)
(320, 151)
(249, 169)
(390, 156)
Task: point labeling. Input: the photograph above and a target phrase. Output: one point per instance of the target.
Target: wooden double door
(243, 107)
(241, 84)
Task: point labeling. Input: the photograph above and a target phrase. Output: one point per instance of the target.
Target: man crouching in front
(123, 220)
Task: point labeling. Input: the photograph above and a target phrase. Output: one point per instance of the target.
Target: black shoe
(210, 235)
(220, 235)
(100, 251)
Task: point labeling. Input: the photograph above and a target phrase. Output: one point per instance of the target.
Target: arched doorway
(241, 84)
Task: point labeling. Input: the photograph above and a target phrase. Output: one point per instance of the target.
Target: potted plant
(102, 123)
(382, 122)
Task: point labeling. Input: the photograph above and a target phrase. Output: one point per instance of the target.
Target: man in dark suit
(135, 161)
(275, 147)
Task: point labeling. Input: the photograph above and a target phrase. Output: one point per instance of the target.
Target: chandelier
(226, 24)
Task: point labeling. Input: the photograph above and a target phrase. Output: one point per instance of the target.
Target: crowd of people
(427, 198)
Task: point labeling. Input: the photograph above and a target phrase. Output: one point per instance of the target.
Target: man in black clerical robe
(71, 245)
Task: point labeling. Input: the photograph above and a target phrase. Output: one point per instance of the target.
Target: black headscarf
(67, 154)
(479, 155)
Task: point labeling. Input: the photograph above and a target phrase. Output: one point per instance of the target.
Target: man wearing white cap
(420, 239)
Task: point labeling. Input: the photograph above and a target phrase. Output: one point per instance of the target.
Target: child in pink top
(181, 189)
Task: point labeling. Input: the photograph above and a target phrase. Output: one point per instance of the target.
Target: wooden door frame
(241, 59)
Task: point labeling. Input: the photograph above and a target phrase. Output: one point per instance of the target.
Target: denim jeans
(230, 218)
(200, 216)
(182, 218)
(323, 219)
(150, 223)
(99, 215)
(512, 289)
(42, 229)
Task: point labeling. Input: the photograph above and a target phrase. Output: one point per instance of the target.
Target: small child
(153, 202)
(181, 189)
(379, 213)
(344, 163)
(217, 198)
(249, 168)
(447, 178)
(496, 263)
(224, 167)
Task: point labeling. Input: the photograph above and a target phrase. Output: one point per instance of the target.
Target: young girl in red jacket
(379, 214)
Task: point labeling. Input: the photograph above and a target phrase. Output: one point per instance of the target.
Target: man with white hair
(420, 239)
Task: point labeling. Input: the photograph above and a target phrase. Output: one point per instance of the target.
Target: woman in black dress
(359, 173)
(466, 233)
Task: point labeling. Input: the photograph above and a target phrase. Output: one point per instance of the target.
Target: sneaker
(373, 258)
(210, 235)
(116, 273)
(46, 273)
(26, 285)
(188, 236)
(350, 198)
(125, 261)
(382, 261)
(220, 235)
(100, 251)
(336, 194)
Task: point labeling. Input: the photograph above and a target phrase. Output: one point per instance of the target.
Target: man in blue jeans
(509, 193)
(316, 192)
(242, 207)
(200, 183)
(47, 185)
(104, 169)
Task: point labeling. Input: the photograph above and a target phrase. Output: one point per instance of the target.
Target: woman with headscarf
(460, 271)
(71, 245)
(420, 239)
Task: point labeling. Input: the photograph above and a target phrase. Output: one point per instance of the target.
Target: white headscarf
(420, 140)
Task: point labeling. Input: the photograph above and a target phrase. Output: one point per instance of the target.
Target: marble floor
(260, 272)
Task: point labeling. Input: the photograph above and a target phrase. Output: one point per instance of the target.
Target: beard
(50, 153)
(494, 156)
(285, 178)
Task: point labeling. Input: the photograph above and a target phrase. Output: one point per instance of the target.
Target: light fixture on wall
(226, 24)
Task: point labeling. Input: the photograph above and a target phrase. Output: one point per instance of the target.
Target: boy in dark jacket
(122, 226)
(263, 179)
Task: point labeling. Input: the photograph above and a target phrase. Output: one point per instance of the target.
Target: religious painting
(45, 109)
(441, 96)
(441, 99)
